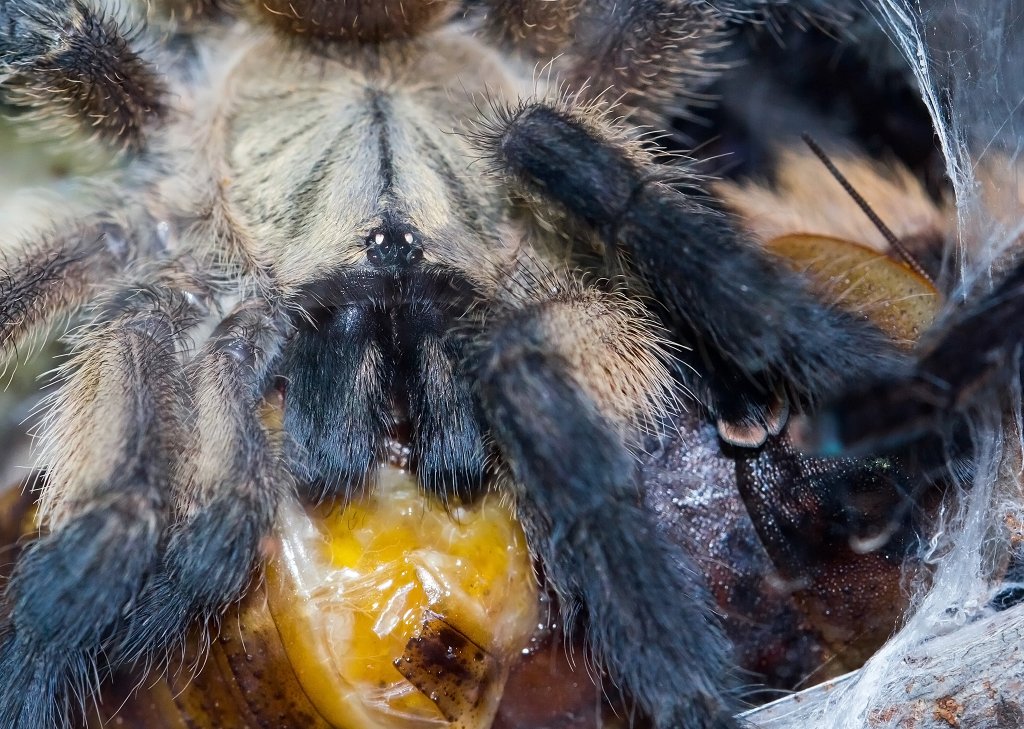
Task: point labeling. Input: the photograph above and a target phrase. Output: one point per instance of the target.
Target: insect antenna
(890, 237)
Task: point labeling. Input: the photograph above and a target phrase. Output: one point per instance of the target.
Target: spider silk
(966, 58)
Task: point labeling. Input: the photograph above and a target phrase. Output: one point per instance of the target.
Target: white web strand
(968, 59)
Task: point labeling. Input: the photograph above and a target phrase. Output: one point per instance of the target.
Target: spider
(381, 211)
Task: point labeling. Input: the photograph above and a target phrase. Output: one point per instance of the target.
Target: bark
(972, 678)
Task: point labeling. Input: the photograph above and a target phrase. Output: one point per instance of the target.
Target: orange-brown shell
(896, 299)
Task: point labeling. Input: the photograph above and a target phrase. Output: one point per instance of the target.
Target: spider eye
(392, 247)
(364, 20)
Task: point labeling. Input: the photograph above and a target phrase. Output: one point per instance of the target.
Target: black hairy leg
(974, 355)
(754, 328)
(116, 431)
(71, 60)
(230, 487)
(647, 612)
(647, 55)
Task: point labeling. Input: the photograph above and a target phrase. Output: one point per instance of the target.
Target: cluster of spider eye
(419, 221)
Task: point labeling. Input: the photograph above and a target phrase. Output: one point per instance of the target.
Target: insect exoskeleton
(870, 241)
(395, 612)
(898, 300)
(392, 612)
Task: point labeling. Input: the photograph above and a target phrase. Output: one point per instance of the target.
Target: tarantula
(380, 211)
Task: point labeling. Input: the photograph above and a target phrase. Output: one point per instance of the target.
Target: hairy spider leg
(538, 29)
(54, 273)
(115, 436)
(231, 486)
(646, 57)
(357, 20)
(70, 60)
(753, 326)
(646, 610)
(189, 13)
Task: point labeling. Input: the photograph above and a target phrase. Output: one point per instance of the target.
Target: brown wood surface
(972, 678)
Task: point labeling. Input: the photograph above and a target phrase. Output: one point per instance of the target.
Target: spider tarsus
(208, 562)
(57, 619)
(37, 687)
(576, 494)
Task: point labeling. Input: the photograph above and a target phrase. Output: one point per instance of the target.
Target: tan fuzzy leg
(651, 56)
(74, 62)
(648, 57)
(609, 344)
(233, 481)
(44, 279)
(113, 439)
(122, 402)
(230, 444)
